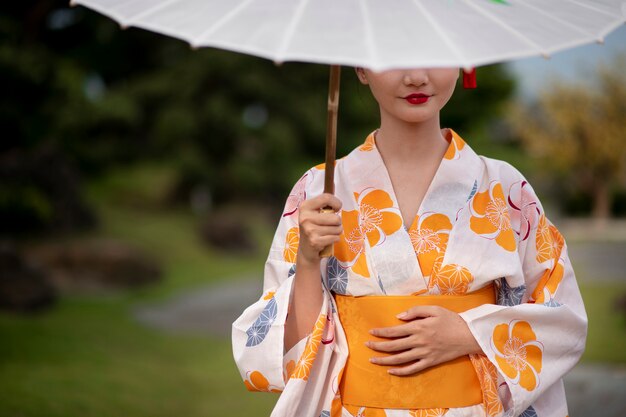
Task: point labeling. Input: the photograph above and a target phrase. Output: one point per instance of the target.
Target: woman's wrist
(471, 343)
(304, 262)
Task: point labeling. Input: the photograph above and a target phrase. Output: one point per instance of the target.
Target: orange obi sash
(364, 384)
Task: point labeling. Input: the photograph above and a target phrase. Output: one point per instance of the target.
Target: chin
(416, 118)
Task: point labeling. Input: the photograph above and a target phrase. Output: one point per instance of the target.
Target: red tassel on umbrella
(469, 79)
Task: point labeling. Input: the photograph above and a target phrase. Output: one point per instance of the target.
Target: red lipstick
(417, 98)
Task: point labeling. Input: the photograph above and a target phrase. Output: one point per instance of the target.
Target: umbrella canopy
(373, 33)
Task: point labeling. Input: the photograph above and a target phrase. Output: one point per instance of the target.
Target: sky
(572, 65)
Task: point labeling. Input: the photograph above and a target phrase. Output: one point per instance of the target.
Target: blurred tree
(578, 133)
(236, 125)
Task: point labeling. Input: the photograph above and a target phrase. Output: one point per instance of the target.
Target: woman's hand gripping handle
(317, 230)
(320, 227)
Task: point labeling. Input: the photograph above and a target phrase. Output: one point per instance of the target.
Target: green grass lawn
(87, 357)
(606, 340)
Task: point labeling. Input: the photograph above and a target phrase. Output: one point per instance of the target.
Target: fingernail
(401, 315)
(391, 371)
(373, 360)
(372, 331)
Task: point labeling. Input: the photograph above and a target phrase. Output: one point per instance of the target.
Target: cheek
(451, 79)
(447, 86)
(381, 92)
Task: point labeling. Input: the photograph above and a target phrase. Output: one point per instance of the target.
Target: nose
(416, 76)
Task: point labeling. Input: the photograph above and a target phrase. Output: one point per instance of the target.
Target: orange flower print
(435, 269)
(490, 216)
(292, 239)
(549, 241)
(488, 379)
(429, 236)
(373, 221)
(548, 283)
(305, 363)
(452, 279)
(454, 149)
(428, 412)
(518, 353)
(255, 381)
(377, 215)
(351, 246)
(369, 144)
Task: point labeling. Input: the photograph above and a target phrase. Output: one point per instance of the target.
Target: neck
(411, 142)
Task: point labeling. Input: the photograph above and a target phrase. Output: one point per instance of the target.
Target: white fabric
(373, 33)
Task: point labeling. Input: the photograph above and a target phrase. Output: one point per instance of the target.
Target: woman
(444, 256)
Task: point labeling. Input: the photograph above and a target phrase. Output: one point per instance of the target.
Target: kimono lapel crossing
(402, 260)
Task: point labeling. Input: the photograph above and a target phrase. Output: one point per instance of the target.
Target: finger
(313, 231)
(320, 242)
(397, 359)
(414, 368)
(326, 200)
(390, 346)
(394, 331)
(328, 230)
(309, 220)
(326, 219)
(420, 312)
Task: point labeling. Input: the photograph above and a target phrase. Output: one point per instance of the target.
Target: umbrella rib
(563, 22)
(368, 32)
(591, 7)
(507, 28)
(221, 22)
(441, 33)
(280, 52)
(129, 21)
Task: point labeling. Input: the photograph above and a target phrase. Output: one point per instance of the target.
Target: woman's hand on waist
(430, 336)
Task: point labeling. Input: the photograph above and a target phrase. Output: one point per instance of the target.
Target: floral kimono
(480, 223)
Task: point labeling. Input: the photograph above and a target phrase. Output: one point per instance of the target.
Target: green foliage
(471, 110)
(24, 205)
(237, 124)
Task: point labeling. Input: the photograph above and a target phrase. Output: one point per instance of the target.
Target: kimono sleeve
(258, 333)
(537, 332)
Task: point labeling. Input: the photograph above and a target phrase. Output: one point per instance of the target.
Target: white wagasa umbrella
(375, 34)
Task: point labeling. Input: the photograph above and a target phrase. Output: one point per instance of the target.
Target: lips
(417, 98)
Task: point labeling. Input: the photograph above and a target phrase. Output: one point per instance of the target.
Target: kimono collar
(455, 143)
(456, 179)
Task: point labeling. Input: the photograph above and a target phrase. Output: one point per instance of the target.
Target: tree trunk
(602, 202)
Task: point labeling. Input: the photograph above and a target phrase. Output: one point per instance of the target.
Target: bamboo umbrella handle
(331, 141)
